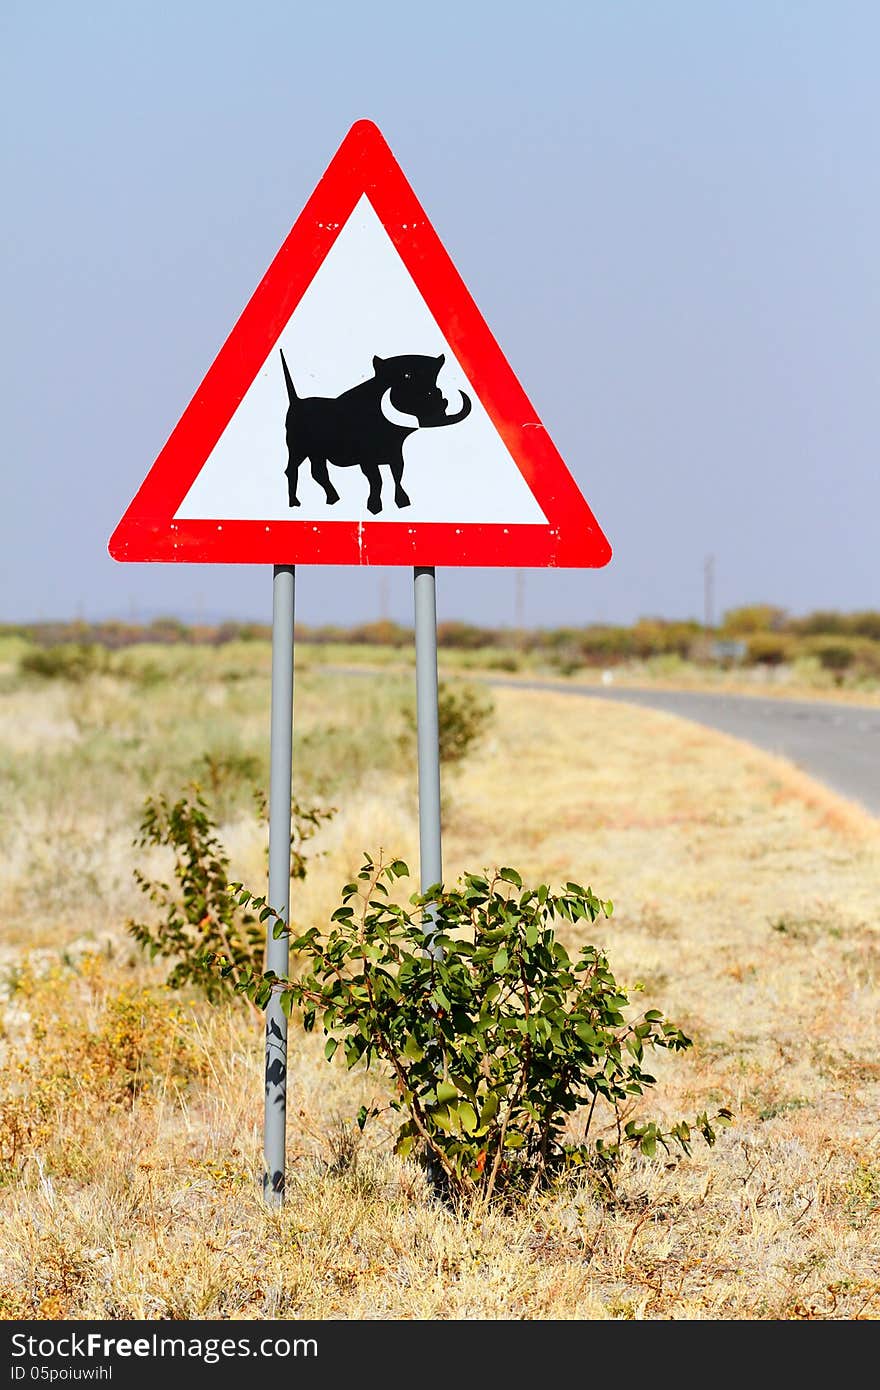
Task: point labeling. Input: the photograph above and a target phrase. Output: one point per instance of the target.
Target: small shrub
(769, 648)
(199, 914)
(305, 822)
(659, 637)
(464, 715)
(566, 665)
(138, 1043)
(383, 633)
(492, 1036)
(145, 674)
(169, 631)
(835, 654)
(226, 774)
(505, 661)
(838, 655)
(70, 661)
(866, 654)
(464, 636)
(753, 618)
(865, 624)
(822, 623)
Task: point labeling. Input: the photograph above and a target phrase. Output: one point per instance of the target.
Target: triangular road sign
(360, 411)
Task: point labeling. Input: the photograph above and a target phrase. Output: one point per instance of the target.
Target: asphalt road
(836, 743)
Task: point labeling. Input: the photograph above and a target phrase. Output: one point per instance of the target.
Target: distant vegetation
(839, 647)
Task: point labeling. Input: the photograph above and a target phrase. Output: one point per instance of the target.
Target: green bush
(464, 716)
(493, 1038)
(867, 656)
(769, 648)
(604, 645)
(565, 665)
(504, 661)
(820, 623)
(859, 655)
(169, 631)
(228, 775)
(865, 624)
(656, 637)
(834, 654)
(383, 633)
(200, 917)
(465, 637)
(753, 618)
(70, 661)
(141, 672)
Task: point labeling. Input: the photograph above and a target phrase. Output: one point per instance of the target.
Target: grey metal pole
(428, 729)
(277, 954)
(428, 739)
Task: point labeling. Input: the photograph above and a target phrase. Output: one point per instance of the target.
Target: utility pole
(520, 606)
(709, 593)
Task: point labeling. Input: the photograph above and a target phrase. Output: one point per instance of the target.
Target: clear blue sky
(669, 214)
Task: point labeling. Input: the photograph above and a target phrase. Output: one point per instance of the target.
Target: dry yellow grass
(745, 901)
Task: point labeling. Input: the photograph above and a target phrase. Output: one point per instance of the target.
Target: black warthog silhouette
(367, 426)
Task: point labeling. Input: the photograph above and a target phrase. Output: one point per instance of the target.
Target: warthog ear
(440, 360)
(377, 363)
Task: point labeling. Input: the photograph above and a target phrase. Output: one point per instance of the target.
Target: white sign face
(317, 451)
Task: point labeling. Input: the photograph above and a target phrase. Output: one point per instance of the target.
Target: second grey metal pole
(428, 728)
(277, 953)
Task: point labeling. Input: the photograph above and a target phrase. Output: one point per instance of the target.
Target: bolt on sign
(360, 411)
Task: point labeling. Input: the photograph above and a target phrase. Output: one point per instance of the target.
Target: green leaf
(329, 1050)
(446, 1092)
(510, 876)
(489, 1109)
(467, 1116)
(442, 1119)
(501, 961)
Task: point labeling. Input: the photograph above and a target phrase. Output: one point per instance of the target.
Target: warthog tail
(291, 389)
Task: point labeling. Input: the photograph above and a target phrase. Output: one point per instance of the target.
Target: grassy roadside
(801, 679)
(745, 903)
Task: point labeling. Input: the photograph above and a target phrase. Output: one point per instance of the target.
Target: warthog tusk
(395, 416)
